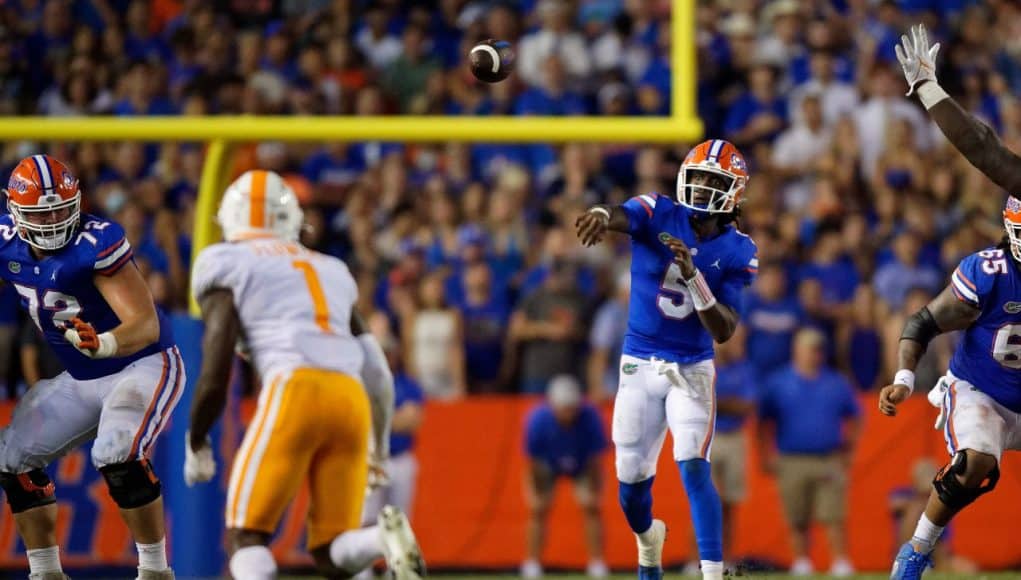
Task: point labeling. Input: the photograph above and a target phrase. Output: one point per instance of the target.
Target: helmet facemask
(51, 224)
(1014, 237)
(708, 189)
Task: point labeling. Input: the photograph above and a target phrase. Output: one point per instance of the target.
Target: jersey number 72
(674, 301)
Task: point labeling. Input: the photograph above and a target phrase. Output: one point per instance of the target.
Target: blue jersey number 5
(673, 301)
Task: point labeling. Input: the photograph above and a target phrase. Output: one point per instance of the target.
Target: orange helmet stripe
(257, 211)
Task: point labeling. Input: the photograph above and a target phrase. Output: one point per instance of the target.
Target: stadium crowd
(465, 253)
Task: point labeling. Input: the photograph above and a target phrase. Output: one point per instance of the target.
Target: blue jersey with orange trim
(61, 286)
(989, 355)
(662, 321)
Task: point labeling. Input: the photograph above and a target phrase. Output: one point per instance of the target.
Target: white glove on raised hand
(199, 466)
(917, 58)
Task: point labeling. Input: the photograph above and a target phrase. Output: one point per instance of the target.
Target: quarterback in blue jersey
(689, 268)
(123, 375)
(980, 396)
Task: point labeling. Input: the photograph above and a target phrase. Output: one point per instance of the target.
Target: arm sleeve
(979, 144)
(639, 210)
(114, 251)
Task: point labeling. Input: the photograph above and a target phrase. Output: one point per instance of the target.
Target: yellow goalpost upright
(221, 132)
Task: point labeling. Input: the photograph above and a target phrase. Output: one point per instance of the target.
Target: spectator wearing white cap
(564, 437)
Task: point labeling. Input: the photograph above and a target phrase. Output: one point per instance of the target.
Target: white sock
(43, 560)
(253, 563)
(356, 550)
(153, 556)
(712, 570)
(926, 535)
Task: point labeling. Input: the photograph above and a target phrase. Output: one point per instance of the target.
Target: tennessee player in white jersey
(326, 385)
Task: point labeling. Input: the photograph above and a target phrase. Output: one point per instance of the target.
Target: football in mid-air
(492, 60)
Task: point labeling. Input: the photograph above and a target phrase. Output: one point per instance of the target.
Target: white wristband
(601, 211)
(906, 378)
(701, 296)
(107, 345)
(931, 93)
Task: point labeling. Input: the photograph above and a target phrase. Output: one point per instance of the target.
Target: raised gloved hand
(917, 58)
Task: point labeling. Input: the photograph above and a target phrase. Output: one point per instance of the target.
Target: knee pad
(952, 492)
(253, 562)
(27, 490)
(636, 502)
(632, 466)
(132, 484)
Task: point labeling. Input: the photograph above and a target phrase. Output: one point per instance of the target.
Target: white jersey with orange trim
(295, 304)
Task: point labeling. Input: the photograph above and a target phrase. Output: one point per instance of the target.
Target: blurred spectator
(554, 38)
(550, 97)
(606, 342)
(564, 437)
(896, 278)
(860, 342)
(485, 316)
(798, 152)
(375, 41)
(548, 328)
(837, 99)
(809, 424)
(760, 114)
(828, 280)
(434, 341)
(402, 467)
(772, 316)
(406, 76)
(885, 105)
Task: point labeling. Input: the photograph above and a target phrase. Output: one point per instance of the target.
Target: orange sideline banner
(469, 510)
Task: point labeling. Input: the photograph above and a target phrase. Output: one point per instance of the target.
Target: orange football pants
(312, 423)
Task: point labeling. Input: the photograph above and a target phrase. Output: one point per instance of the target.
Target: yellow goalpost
(221, 132)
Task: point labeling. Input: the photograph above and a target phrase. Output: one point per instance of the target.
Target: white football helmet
(260, 203)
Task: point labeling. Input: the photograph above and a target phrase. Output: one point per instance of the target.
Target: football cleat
(650, 551)
(909, 564)
(400, 548)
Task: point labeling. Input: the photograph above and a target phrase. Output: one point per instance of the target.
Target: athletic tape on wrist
(931, 93)
(701, 296)
(906, 378)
